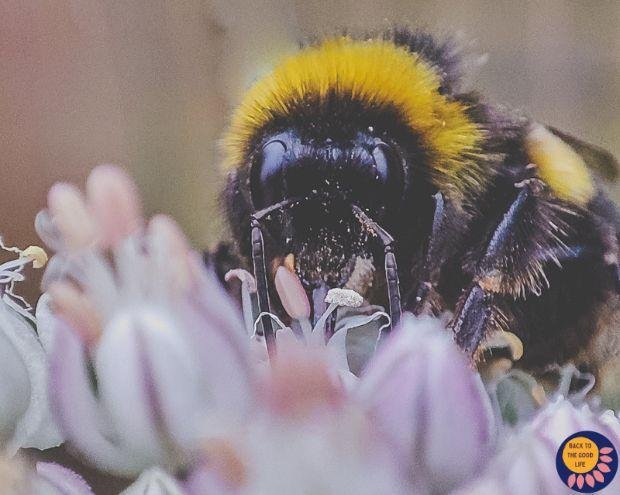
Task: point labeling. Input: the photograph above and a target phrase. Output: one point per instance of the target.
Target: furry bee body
(496, 218)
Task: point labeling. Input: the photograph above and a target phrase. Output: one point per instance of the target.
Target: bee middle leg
(512, 270)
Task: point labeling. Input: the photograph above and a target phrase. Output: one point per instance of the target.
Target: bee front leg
(442, 244)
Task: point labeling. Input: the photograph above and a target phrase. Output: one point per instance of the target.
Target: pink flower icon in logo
(596, 475)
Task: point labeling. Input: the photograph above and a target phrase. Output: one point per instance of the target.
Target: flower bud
(114, 201)
(421, 391)
(71, 216)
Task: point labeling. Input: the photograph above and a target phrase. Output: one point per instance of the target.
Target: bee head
(365, 170)
(340, 124)
(327, 175)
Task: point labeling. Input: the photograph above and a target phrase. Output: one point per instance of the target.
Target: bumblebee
(365, 152)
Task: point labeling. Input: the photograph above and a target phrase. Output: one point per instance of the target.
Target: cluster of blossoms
(146, 368)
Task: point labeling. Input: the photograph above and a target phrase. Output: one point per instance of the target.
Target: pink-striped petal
(71, 216)
(580, 481)
(62, 479)
(76, 409)
(215, 304)
(606, 450)
(113, 198)
(603, 468)
(571, 480)
(170, 251)
(598, 476)
(220, 339)
(605, 458)
(77, 309)
(129, 381)
(590, 480)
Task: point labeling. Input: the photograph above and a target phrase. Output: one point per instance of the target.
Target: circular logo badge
(587, 462)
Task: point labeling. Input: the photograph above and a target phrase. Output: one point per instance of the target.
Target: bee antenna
(265, 212)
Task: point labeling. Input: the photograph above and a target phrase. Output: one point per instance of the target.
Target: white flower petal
(77, 411)
(128, 389)
(98, 281)
(134, 275)
(286, 336)
(47, 231)
(54, 479)
(35, 427)
(58, 267)
(215, 305)
(395, 402)
(355, 339)
(319, 331)
(171, 356)
(46, 322)
(14, 387)
(154, 482)
(223, 362)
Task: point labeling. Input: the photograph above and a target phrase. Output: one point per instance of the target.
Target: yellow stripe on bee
(559, 166)
(377, 73)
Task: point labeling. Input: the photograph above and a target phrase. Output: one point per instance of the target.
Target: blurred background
(149, 84)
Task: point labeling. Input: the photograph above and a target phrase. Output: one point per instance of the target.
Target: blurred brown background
(149, 83)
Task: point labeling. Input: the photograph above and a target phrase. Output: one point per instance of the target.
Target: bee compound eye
(389, 171)
(266, 184)
(388, 165)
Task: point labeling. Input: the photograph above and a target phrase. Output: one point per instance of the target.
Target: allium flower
(420, 390)
(25, 419)
(526, 463)
(46, 479)
(148, 351)
(153, 373)
(307, 437)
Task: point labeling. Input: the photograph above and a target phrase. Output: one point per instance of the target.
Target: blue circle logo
(587, 462)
